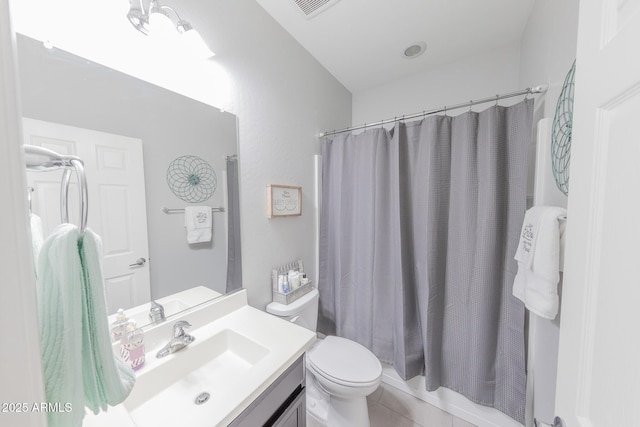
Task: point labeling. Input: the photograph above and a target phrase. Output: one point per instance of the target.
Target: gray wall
(283, 97)
(479, 76)
(548, 48)
(62, 88)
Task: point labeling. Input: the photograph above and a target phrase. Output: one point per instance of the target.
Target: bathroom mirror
(61, 88)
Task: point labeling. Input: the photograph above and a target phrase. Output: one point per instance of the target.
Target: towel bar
(181, 210)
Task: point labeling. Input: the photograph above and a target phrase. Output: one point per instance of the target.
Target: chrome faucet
(156, 314)
(180, 339)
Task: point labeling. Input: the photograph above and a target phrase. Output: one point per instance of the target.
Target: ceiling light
(156, 21)
(415, 50)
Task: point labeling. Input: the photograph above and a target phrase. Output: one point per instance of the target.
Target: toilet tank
(303, 311)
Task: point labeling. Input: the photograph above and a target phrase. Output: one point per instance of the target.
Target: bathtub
(448, 400)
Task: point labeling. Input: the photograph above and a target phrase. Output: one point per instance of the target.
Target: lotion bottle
(132, 346)
(294, 280)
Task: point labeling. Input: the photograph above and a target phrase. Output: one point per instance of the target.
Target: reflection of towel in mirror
(538, 257)
(198, 222)
(79, 366)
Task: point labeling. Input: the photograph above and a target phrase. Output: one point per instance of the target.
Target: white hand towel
(198, 222)
(538, 257)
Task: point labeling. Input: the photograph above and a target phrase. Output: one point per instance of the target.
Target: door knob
(139, 263)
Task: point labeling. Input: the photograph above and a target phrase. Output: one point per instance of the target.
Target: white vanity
(245, 368)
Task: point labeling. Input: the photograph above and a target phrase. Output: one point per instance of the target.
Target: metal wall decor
(191, 179)
(561, 133)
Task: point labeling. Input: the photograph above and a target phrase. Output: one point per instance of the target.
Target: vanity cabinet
(283, 404)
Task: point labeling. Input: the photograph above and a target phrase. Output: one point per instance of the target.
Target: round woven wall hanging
(191, 179)
(561, 133)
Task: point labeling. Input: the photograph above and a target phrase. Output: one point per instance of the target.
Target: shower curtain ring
(497, 97)
(470, 104)
(445, 111)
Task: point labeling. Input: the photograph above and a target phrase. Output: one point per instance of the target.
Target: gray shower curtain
(418, 230)
(234, 249)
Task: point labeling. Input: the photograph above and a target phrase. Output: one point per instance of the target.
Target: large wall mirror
(67, 99)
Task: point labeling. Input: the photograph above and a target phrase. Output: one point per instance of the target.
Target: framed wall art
(283, 201)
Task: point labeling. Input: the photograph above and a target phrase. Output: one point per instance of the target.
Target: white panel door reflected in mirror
(62, 88)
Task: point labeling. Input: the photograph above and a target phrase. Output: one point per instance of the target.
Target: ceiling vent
(311, 8)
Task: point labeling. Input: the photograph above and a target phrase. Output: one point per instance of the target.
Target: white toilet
(340, 373)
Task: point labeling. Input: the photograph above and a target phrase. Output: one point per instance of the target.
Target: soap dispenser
(119, 326)
(132, 346)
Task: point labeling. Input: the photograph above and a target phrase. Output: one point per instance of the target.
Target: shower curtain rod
(527, 91)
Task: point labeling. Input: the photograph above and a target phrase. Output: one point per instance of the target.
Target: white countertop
(230, 394)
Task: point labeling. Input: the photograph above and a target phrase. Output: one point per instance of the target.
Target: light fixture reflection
(156, 22)
(191, 40)
(138, 18)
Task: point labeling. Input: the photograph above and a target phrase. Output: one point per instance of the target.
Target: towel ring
(42, 159)
(78, 166)
(30, 191)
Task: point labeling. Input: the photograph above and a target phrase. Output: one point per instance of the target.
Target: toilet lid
(344, 360)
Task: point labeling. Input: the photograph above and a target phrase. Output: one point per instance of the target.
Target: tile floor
(390, 407)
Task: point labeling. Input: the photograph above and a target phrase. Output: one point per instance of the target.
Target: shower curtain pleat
(234, 248)
(417, 235)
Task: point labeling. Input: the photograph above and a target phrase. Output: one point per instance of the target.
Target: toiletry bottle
(285, 284)
(281, 283)
(119, 326)
(132, 346)
(294, 280)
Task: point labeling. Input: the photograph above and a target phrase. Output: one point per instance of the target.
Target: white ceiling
(361, 42)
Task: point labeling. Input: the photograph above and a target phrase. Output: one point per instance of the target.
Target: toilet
(340, 373)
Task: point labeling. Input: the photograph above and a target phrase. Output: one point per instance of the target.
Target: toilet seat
(344, 362)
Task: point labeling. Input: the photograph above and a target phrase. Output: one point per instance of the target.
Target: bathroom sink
(238, 352)
(181, 377)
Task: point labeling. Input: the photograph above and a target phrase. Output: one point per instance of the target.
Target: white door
(117, 209)
(599, 361)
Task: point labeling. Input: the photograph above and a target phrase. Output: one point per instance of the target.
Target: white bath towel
(538, 257)
(198, 222)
